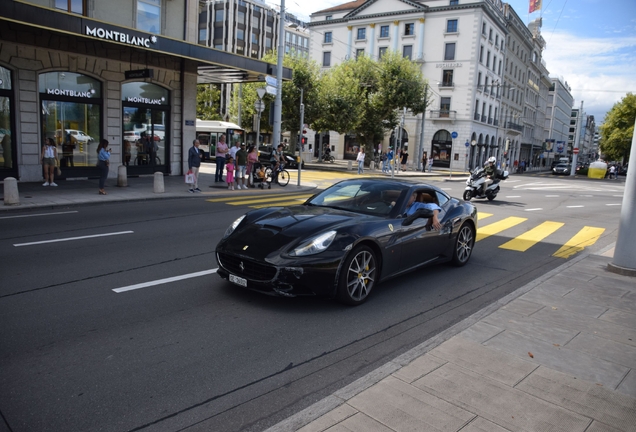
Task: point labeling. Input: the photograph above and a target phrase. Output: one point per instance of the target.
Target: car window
(360, 197)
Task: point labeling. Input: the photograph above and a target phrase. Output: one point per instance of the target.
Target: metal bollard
(11, 195)
(122, 176)
(158, 183)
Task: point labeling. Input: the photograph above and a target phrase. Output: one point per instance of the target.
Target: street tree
(208, 102)
(617, 129)
(365, 97)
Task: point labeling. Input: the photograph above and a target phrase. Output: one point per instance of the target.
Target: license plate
(239, 281)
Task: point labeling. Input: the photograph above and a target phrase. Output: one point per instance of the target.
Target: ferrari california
(346, 239)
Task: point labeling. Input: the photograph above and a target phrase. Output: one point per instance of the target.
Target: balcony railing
(489, 120)
(477, 116)
(514, 126)
(483, 118)
(446, 84)
(496, 122)
(443, 114)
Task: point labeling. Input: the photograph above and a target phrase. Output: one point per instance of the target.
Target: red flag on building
(535, 5)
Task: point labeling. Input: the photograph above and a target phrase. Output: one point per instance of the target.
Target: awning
(124, 44)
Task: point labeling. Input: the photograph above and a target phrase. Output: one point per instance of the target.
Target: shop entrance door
(145, 140)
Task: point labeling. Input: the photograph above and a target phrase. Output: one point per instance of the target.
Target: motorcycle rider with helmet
(490, 170)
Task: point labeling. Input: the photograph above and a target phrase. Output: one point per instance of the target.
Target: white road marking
(513, 196)
(612, 204)
(552, 196)
(164, 281)
(72, 238)
(39, 214)
(579, 206)
(534, 209)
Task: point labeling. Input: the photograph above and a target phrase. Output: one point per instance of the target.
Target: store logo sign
(120, 37)
(72, 93)
(147, 101)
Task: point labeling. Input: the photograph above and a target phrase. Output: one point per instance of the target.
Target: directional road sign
(271, 81)
(271, 90)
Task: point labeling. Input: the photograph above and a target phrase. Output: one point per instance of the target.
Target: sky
(590, 44)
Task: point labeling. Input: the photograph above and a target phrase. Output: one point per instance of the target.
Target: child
(229, 166)
(261, 173)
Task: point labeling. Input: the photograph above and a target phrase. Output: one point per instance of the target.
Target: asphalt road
(195, 353)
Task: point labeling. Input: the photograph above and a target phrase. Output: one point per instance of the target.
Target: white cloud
(600, 71)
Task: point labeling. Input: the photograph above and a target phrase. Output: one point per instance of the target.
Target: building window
(8, 159)
(447, 78)
(407, 51)
(451, 26)
(72, 116)
(494, 63)
(326, 59)
(329, 17)
(328, 38)
(490, 35)
(240, 17)
(409, 29)
(149, 16)
(381, 52)
(384, 31)
(454, 2)
(254, 38)
(449, 52)
(488, 60)
(444, 107)
(497, 41)
(362, 33)
(219, 15)
(359, 52)
(483, 29)
(73, 6)
(481, 54)
(479, 81)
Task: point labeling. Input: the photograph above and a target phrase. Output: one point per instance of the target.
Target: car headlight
(233, 226)
(315, 245)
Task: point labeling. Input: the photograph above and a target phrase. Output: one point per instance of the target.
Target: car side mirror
(421, 213)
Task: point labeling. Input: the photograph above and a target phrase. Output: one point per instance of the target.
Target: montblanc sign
(122, 37)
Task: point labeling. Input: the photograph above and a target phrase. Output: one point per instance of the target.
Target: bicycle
(280, 176)
(328, 158)
(376, 162)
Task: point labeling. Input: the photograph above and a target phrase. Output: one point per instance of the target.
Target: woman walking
(49, 159)
(103, 162)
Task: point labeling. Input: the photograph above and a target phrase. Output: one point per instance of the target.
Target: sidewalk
(556, 355)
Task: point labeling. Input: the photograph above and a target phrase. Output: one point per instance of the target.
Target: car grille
(251, 269)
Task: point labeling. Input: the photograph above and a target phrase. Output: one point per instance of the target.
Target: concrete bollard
(350, 165)
(158, 183)
(122, 176)
(11, 195)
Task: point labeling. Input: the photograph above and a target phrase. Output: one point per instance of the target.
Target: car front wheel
(357, 276)
(464, 244)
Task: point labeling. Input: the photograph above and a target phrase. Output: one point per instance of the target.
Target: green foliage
(208, 100)
(617, 129)
(367, 97)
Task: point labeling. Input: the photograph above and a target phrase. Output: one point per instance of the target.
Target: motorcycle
(477, 179)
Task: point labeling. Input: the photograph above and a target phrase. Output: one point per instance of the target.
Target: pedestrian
(430, 165)
(389, 158)
(522, 166)
(103, 162)
(234, 149)
(383, 159)
(49, 160)
(252, 158)
(612, 172)
(360, 160)
(405, 158)
(221, 151)
(424, 162)
(229, 177)
(241, 165)
(194, 163)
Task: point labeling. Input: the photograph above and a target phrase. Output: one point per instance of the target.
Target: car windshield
(368, 197)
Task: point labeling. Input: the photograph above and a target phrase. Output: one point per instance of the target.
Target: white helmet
(492, 159)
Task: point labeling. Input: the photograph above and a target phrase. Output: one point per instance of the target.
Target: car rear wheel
(463, 245)
(357, 277)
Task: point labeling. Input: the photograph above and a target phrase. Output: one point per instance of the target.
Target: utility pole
(300, 134)
(420, 150)
(278, 105)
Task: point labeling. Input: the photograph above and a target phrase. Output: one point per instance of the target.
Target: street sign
(467, 144)
(454, 135)
(575, 150)
(261, 92)
(271, 90)
(271, 81)
(259, 105)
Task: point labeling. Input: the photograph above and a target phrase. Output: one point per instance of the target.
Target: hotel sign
(448, 65)
(122, 37)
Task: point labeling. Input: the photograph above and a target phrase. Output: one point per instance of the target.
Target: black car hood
(282, 227)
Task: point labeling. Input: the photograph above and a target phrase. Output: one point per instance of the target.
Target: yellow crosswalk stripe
(245, 200)
(497, 227)
(528, 239)
(586, 237)
(481, 215)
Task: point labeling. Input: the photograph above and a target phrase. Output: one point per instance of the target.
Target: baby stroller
(265, 179)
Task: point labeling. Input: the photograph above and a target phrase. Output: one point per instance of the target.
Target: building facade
(483, 65)
(124, 70)
(560, 102)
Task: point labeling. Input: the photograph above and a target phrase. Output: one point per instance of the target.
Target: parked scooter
(477, 179)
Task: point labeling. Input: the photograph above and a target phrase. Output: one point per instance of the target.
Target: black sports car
(344, 240)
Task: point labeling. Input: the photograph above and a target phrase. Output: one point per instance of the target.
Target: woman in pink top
(221, 151)
(252, 158)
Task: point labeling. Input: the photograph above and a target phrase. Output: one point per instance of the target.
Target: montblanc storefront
(78, 81)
